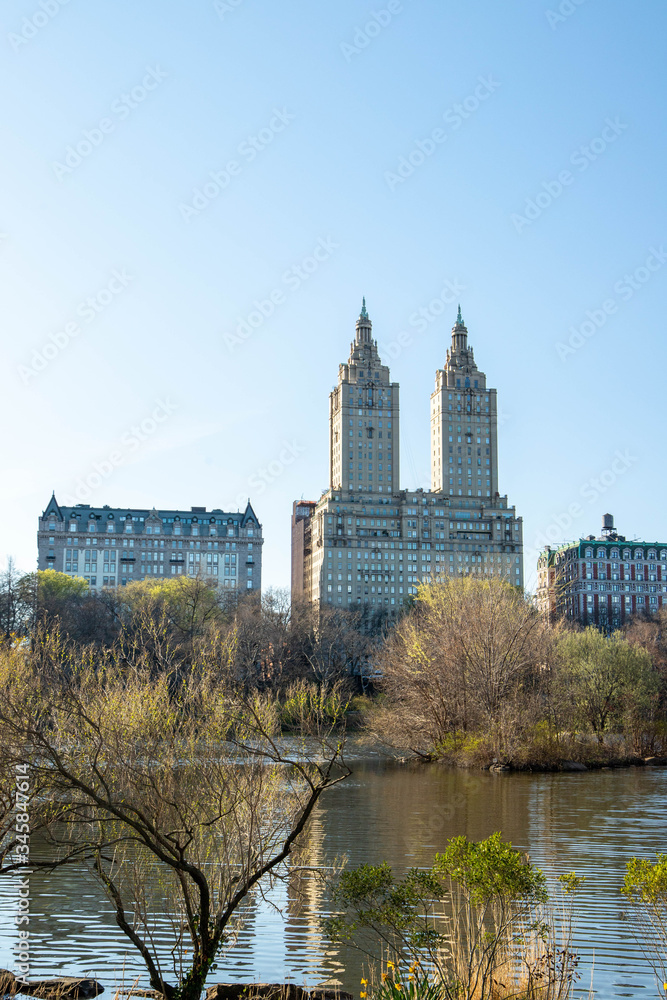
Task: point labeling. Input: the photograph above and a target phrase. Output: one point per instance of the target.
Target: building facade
(602, 581)
(366, 541)
(111, 547)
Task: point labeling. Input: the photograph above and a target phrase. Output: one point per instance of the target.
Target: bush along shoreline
(472, 675)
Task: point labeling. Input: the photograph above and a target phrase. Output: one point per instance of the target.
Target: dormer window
(52, 525)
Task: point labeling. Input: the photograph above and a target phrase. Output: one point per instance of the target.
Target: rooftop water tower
(607, 525)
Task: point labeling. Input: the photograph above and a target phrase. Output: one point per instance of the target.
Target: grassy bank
(538, 749)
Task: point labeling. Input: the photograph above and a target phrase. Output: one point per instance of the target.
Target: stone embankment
(64, 988)
(71, 988)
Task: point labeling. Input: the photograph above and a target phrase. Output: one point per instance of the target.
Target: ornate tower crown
(459, 335)
(364, 326)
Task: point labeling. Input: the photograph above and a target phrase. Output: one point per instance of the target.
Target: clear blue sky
(334, 96)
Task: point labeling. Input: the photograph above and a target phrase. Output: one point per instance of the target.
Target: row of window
(627, 554)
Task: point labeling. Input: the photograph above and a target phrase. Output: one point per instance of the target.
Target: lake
(590, 823)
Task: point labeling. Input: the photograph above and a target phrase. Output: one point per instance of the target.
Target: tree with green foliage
(461, 918)
(53, 586)
(605, 680)
(645, 888)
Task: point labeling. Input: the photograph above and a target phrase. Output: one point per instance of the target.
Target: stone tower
(364, 446)
(464, 424)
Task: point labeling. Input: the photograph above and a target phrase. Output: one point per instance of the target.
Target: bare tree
(192, 789)
(464, 658)
(16, 603)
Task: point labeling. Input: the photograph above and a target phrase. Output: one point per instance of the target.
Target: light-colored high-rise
(364, 446)
(366, 541)
(464, 424)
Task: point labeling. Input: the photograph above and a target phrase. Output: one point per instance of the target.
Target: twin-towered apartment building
(366, 541)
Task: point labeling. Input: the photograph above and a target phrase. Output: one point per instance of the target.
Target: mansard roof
(141, 516)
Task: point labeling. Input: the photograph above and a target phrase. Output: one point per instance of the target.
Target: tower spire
(459, 334)
(364, 326)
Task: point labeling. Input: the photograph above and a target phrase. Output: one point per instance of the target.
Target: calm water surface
(591, 823)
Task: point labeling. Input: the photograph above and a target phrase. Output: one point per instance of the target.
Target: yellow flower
(384, 977)
(390, 965)
(411, 978)
(363, 994)
(364, 982)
